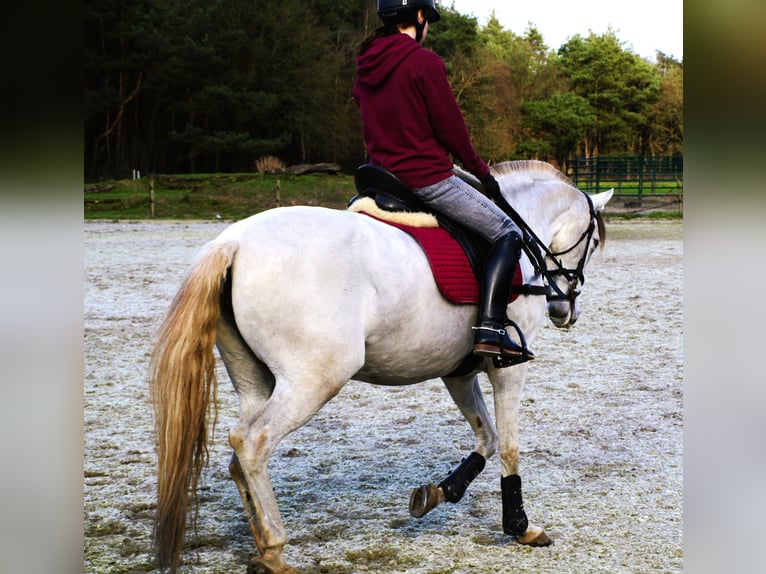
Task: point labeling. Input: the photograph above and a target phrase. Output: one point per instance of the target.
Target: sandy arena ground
(601, 433)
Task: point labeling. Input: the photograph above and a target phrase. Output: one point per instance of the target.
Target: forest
(220, 85)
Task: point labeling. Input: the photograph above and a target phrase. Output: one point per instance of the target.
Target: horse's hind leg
(254, 384)
(238, 476)
(290, 406)
(466, 393)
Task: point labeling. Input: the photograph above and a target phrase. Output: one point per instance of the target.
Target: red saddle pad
(450, 265)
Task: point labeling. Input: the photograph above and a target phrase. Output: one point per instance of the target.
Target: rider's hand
(491, 187)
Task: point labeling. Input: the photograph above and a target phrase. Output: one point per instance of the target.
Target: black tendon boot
(490, 336)
(515, 520)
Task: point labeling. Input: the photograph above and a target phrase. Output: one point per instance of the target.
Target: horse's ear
(601, 199)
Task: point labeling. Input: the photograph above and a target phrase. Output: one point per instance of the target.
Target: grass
(212, 196)
(236, 196)
(630, 187)
(659, 214)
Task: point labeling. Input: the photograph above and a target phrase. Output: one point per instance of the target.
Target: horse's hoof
(259, 565)
(424, 499)
(534, 538)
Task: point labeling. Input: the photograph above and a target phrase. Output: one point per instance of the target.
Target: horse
(299, 300)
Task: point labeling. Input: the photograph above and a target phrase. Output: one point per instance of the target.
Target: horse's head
(542, 195)
(581, 233)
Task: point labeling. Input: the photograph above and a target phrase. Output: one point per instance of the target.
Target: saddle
(391, 194)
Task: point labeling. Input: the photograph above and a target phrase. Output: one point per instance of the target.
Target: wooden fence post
(151, 197)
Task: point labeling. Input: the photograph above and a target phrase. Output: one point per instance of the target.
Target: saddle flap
(388, 202)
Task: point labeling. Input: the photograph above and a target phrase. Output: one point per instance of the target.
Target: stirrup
(505, 356)
(526, 354)
(508, 361)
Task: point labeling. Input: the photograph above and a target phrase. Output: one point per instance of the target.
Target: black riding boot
(490, 336)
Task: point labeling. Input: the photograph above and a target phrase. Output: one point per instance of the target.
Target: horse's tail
(183, 384)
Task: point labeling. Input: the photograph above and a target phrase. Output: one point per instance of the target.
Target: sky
(644, 27)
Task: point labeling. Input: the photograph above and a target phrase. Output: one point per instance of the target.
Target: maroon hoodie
(412, 122)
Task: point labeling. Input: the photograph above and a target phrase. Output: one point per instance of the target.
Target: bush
(269, 164)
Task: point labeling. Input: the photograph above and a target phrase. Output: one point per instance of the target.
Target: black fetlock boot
(490, 336)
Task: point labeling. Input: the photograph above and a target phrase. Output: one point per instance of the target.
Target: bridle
(539, 254)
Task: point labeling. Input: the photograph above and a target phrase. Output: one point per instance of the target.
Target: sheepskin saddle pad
(455, 269)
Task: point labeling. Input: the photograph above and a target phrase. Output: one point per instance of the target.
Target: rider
(412, 124)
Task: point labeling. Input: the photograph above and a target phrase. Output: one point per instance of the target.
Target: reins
(534, 247)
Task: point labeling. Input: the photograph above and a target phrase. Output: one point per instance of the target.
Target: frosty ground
(601, 433)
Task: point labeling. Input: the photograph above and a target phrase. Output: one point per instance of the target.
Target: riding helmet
(393, 8)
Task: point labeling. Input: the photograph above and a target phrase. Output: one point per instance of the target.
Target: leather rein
(534, 248)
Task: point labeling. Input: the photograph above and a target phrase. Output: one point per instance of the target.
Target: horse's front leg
(508, 384)
(466, 393)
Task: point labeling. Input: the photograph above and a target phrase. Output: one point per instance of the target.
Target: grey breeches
(457, 199)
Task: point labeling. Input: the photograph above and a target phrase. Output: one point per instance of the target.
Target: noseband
(539, 254)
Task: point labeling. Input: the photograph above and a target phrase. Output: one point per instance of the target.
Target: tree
(555, 125)
(455, 36)
(209, 85)
(508, 69)
(619, 86)
(666, 119)
(119, 44)
(212, 84)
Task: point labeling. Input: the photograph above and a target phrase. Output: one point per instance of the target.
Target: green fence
(634, 178)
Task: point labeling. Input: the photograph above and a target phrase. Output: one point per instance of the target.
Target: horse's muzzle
(563, 314)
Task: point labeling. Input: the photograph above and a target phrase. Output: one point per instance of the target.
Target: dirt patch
(601, 433)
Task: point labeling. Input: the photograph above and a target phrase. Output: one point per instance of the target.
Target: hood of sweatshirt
(376, 64)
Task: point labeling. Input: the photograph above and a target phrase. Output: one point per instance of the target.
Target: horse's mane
(511, 168)
(529, 165)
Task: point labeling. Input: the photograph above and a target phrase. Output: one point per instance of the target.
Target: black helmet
(392, 8)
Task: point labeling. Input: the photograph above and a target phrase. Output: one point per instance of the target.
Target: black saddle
(392, 194)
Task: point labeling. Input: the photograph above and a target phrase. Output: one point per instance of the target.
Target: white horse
(300, 300)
